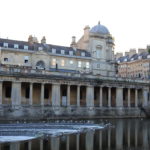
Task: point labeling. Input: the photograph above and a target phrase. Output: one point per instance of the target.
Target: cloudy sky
(127, 20)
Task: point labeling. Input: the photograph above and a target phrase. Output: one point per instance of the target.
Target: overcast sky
(127, 20)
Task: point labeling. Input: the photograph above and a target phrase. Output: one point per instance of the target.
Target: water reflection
(126, 134)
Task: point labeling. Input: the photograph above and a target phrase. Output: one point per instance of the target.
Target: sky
(127, 20)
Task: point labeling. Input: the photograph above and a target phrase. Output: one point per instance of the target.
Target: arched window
(40, 65)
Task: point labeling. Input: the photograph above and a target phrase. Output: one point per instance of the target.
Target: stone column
(16, 93)
(42, 94)
(68, 95)
(136, 97)
(1, 91)
(101, 97)
(31, 94)
(55, 94)
(145, 97)
(109, 96)
(129, 98)
(119, 97)
(78, 95)
(89, 96)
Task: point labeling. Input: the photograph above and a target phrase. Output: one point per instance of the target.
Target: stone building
(40, 80)
(134, 65)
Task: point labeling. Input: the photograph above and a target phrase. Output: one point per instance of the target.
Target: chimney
(141, 50)
(132, 52)
(43, 40)
(30, 39)
(86, 33)
(73, 43)
(118, 55)
(126, 53)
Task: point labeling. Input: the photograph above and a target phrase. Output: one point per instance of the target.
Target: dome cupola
(99, 29)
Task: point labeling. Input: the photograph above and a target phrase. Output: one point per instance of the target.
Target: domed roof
(99, 29)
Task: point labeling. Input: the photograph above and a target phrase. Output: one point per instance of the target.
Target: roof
(45, 47)
(99, 29)
(143, 55)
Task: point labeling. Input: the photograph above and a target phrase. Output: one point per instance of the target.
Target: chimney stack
(43, 40)
(73, 43)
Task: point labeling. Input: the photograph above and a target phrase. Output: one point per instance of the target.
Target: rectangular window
(40, 48)
(16, 46)
(6, 59)
(26, 59)
(71, 62)
(25, 47)
(98, 65)
(5, 45)
(62, 52)
(70, 53)
(83, 54)
(53, 61)
(98, 54)
(53, 50)
(62, 62)
(79, 63)
(87, 65)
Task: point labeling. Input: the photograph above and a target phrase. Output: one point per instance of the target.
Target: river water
(118, 134)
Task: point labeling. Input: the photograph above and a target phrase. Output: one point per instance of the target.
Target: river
(106, 134)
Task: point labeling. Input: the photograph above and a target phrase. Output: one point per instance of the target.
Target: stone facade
(40, 81)
(134, 65)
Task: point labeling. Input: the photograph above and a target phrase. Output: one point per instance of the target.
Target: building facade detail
(40, 79)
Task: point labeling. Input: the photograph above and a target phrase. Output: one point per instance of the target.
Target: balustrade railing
(7, 69)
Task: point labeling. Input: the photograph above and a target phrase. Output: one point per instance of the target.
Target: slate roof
(143, 55)
(45, 47)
